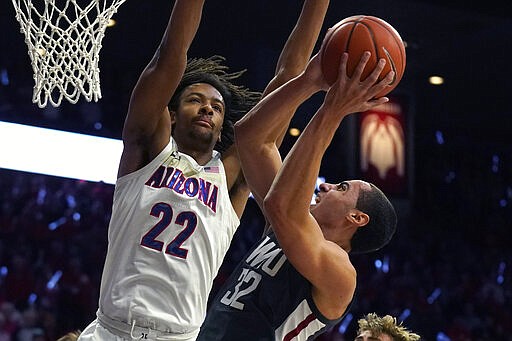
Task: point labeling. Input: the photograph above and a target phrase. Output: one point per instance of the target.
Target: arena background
(446, 274)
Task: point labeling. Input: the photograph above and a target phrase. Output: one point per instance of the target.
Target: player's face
(367, 336)
(340, 197)
(200, 114)
(335, 203)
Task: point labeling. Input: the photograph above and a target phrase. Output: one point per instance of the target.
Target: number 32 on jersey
(269, 258)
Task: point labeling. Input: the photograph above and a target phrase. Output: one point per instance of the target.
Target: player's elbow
(244, 139)
(275, 206)
(166, 63)
(289, 71)
(238, 129)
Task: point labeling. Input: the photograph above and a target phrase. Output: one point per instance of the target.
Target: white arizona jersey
(172, 223)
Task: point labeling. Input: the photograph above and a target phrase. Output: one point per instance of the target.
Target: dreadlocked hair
(238, 100)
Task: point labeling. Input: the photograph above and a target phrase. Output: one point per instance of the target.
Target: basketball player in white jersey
(177, 201)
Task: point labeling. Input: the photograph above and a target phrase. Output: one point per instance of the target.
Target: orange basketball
(361, 33)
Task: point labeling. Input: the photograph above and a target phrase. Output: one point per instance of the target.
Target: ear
(358, 218)
(220, 134)
(173, 117)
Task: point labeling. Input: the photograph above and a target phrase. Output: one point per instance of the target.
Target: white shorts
(95, 331)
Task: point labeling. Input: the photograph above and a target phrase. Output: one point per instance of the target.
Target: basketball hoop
(64, 40)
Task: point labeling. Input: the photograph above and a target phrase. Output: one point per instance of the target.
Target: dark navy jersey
(265, 298)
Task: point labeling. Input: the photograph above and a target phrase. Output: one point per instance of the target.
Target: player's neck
(202, 156)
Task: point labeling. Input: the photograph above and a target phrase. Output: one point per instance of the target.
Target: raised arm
(147, 127)
(251, 132)
(258, 132)
(322, 262)
(299, 45)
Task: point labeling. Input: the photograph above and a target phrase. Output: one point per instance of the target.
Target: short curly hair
(238, 99)
(386, 325)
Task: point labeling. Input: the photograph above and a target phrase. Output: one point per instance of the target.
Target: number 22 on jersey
(164, 212)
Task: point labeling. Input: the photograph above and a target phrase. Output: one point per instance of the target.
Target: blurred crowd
(446, 273)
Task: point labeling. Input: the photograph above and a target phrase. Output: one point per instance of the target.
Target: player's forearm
(298, 48)
(262, 125)
(181, 30)
(295, 183)
(166, 68)
(257, 132)
(268, 121)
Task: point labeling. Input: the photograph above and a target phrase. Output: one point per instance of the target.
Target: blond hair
(71, 336)
(386, 325)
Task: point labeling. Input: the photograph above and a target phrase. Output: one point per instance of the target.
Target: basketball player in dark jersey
(299, 280)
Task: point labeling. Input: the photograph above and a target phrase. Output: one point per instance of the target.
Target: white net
(64, 40)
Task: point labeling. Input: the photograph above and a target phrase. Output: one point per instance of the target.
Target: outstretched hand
(353, 94)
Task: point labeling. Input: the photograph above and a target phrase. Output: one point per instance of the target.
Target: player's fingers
(390, 78)
(358, 71)
(342, 72)
(372, 78)
(381, 85)
(378, 101)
